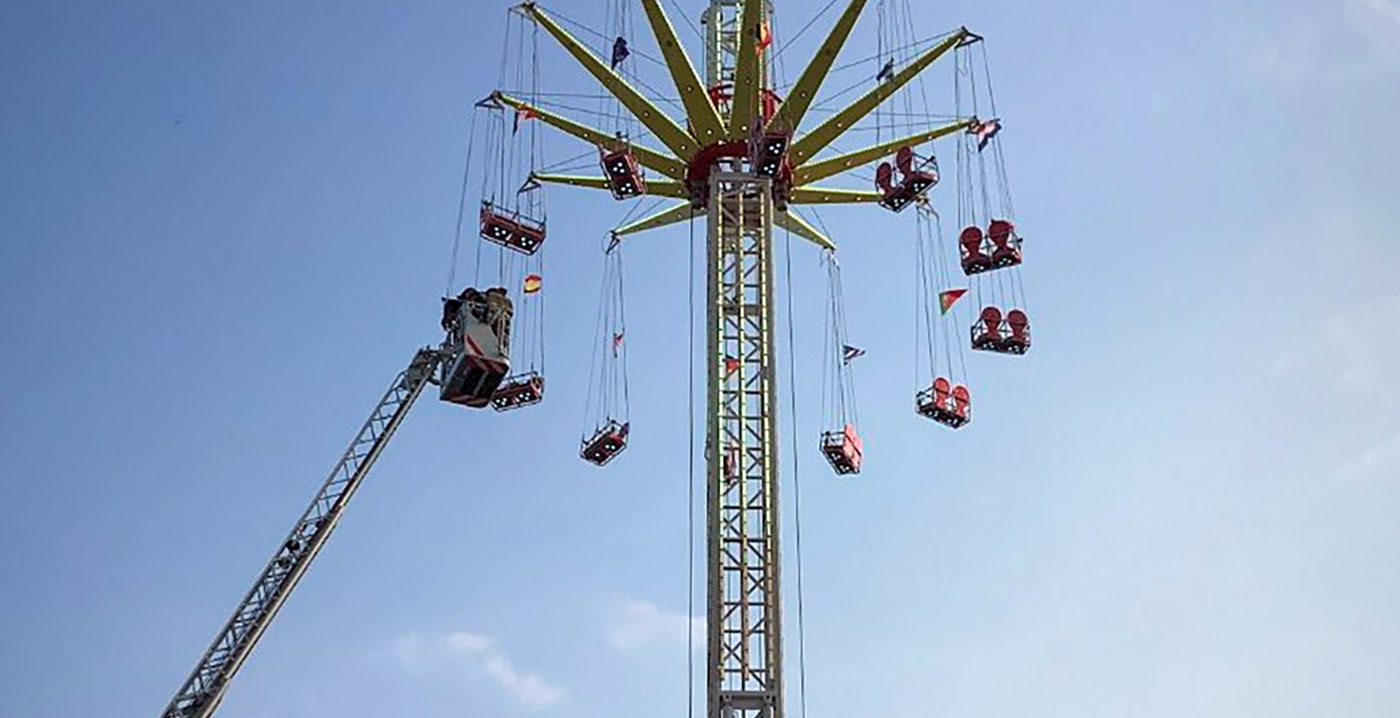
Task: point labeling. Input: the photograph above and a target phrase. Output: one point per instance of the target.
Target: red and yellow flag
(947, 298)
(533, 283)
(524, 112)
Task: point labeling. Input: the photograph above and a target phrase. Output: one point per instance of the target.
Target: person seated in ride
(974, 259)
(987, 331)
(884, 179)
(1003, 235)
(962, 403)
(1020, 324)
(913, 178)
(942, 392)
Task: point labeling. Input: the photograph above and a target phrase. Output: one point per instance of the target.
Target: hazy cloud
(1378, 23)
(635, 625)
(1328, 44)
(1351, 349)
(1376, 460)
(473, 653)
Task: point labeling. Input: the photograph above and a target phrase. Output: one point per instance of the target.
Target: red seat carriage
(510, 229)
(844, 450)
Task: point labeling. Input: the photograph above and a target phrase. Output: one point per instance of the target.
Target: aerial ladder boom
(201, 694)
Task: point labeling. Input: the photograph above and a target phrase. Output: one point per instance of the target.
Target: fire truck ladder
(201, 693)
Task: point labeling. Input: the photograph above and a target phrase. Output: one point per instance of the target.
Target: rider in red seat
(1020, 339)
(986, 333)
(942, 390)
(962, 403)
(1008, 245)
(974, 260)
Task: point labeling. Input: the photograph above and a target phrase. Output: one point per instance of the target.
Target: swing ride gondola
(914, 180)
(607, 428)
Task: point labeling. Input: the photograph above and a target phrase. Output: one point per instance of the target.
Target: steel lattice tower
(714, 164)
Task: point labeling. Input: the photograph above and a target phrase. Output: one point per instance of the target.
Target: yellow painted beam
(826, 133)
(828, 195)
(705, 122)
(836, 165)
(666, 130)
(655, 188)
(649, 158)
(794, 108)
(748, 76)
(674, 215)
(798, 226)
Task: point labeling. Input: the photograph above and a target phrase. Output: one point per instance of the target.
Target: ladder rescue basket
(478, 340)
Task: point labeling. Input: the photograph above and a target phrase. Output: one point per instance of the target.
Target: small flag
(731, 365)
(850, 353)
(524, 112)
(533, 283)
(765, 37)
(886, 72)
(617, 342)
(985, 131)
(947, 299)
(620, 52)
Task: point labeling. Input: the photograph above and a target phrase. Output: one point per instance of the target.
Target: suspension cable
(461, 207)
(804, 29)
(796, 479)
(690, 505)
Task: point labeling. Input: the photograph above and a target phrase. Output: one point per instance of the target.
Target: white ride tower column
(744, 616)
(745, 677)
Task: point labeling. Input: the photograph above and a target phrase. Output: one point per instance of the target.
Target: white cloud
(527, 688)
(1382, 457)
(1386, 10)
(1352, 349)
(1378, 22)
(639, 624)
(1328, 44)
(474, 653)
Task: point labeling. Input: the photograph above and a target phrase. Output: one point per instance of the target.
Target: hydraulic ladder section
(201, 694)
(745, 678)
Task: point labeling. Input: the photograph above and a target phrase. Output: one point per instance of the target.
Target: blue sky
(224, 227)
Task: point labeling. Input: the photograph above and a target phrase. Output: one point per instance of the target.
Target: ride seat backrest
(962, 400)
(1019, 323)
(854, 445)
(942, 389)
(884, 177)
(1000, 231)
(904, 159)
(971, 241)
(991, 321)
